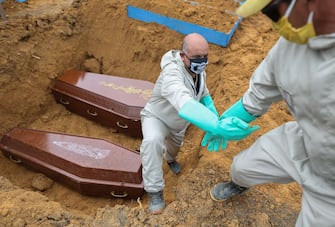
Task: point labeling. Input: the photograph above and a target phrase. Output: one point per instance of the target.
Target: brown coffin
(109, 100)
(89, 165)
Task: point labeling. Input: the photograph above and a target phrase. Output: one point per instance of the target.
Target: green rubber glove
(231, 128)
(214, 142)
(236, 110)
(208, 102)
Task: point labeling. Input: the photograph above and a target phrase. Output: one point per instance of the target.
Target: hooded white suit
(303, 150)
(163, 130)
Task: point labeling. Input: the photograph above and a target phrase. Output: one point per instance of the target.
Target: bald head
(195, 44)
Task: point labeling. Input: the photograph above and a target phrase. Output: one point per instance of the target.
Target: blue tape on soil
(183, 27)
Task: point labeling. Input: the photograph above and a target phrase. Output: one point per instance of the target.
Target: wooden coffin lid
(85, 157)
(125, 96)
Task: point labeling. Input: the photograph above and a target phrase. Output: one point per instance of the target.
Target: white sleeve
(174, 89)
(263, 89)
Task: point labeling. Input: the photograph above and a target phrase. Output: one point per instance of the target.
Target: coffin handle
(63, 101)
(125, 194)
(121, 125)
(94, 114)
(14, 159)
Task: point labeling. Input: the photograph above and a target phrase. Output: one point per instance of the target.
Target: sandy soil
(41, 39)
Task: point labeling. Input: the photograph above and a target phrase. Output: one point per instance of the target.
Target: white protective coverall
(302, 150)
(163, 130)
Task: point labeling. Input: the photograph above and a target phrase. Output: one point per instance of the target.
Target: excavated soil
(40, 39)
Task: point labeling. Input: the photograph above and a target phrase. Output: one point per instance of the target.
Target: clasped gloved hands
(230, 128)
(218, 130)
(236, 110)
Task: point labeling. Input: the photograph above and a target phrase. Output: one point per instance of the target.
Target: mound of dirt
(40, 39)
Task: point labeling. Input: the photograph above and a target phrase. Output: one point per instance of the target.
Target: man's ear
(182, 56)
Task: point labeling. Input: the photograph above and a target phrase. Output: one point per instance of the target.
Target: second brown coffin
(90, 166)
(109, 100)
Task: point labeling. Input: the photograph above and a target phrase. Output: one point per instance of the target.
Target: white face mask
(198, 65)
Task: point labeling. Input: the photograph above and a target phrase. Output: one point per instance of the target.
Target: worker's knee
(238, 173)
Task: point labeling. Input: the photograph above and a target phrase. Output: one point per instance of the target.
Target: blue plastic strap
(183, 27)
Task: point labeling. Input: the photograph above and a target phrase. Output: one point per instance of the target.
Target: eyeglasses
(272, 9)
(196, 56)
